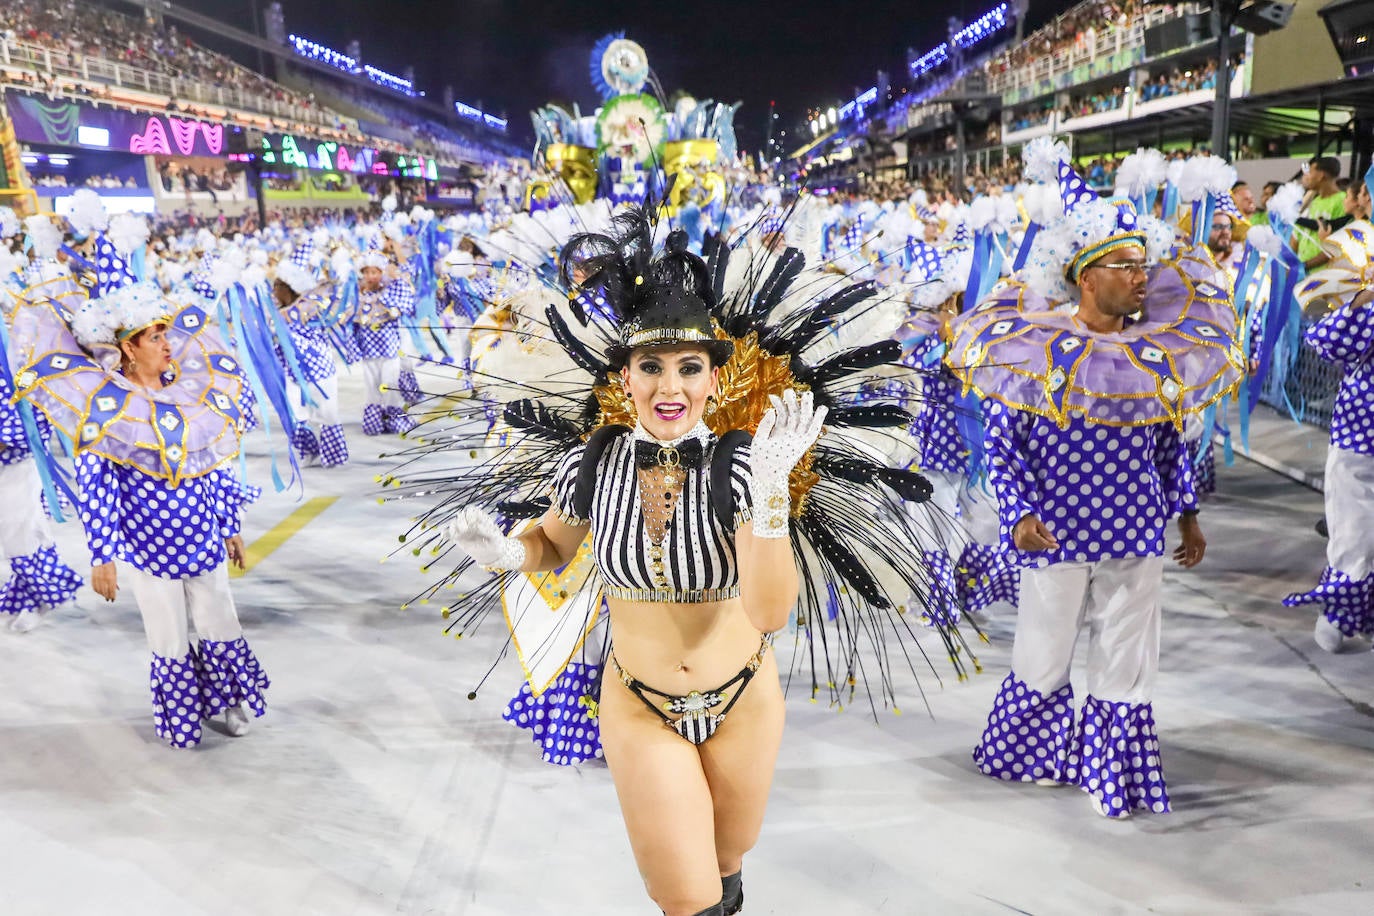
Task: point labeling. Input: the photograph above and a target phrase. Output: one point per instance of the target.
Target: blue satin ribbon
(981, 257)
(285, 341)
(1170, 202)
(260, 368)
(968, 418)
(1032, 230)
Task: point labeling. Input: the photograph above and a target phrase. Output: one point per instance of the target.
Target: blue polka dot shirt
(1104, 492)
(1346, 337)
(174, 532)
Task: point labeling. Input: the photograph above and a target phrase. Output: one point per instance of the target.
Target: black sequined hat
(658, 301)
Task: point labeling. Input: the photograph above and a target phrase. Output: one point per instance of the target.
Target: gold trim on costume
(672, 595)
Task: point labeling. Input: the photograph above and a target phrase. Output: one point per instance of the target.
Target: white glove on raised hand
(786, 431)
(477, 533)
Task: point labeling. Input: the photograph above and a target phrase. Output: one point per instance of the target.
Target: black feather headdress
(659, 301)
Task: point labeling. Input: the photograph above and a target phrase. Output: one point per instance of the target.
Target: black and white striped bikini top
(697, 552)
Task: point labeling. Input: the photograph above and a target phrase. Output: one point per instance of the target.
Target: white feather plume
(128, 232)
(1043, 203)
(88, 212)
(1141, 172)
(1041, 158)
(44, 235)
(1286, 203)
(1265, 239)
(10, 226)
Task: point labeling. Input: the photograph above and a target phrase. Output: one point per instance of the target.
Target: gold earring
(627, 403)
(710, 410)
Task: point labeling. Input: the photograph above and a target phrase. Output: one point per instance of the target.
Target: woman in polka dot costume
(174, 539)
(1345, 593)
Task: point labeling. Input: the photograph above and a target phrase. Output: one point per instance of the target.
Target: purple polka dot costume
(1029, 735)
(1115, 757)
(935, 428)
(175, 532)
(170, 531)
(1105, 491)
(1106, 494)
(38, 580)
(983, 577)
(176, 700)
(562, 719)
(1345, 594)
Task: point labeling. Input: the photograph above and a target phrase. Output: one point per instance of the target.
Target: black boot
(732, 893)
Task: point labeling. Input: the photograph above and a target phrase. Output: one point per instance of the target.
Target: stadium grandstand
(119, 97)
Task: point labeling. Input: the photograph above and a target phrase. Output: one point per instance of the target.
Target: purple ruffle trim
(1028, 735)
(1115, 757)
(985, 578)
(409, 386)
(397, 421)
(37, 582)
(230, 676)
(306, 442)
(176, 699)
(1347, 603)
(562, 719)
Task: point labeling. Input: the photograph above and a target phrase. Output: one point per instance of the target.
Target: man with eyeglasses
(1084, 508)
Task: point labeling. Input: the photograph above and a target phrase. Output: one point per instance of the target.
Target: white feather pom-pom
(1043, 203)
(1159, 237)
(128, 232)
(1041, 158)
(10, 226)
(1007, 214)
(253, 275)
(341, 264)
(295, 276)
(1173, 172)
(1286, 203)
(389, 203)
(11, 263)
(88, 212)
(981, 213)
(1264, 239)
(1141, 172)
(1193, 180)
(44, 235)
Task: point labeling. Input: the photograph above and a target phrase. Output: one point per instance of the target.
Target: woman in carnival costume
(1089, 364)
(303, 300)
(699, 540)
(150, 399)
(1345, 336)
(38, 580)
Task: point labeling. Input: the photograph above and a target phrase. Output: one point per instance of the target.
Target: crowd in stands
(1177, 81)
(1095, 102)
(71, 30)
(1079, 27)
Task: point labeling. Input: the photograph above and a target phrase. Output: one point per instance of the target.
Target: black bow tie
(687, 454)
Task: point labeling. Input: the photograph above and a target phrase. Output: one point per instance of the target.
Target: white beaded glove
(786, 431)
(477, 533)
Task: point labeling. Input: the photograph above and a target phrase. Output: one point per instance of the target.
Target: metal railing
(1107, 50)
(76, 65)
(1309, 391)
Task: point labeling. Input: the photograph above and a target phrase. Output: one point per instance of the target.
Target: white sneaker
(25, 621)
(1102, 810)
(1328, 636)
(236, 720)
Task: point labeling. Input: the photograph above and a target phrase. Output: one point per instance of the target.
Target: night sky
(508, 56)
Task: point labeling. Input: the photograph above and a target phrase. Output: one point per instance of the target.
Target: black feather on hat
(658, 302)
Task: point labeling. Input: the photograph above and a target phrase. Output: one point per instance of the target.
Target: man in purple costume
(1084, 508)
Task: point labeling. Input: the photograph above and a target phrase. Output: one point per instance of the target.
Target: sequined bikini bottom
(697, 722)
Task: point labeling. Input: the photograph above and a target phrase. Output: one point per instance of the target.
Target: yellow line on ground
(263, 547)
